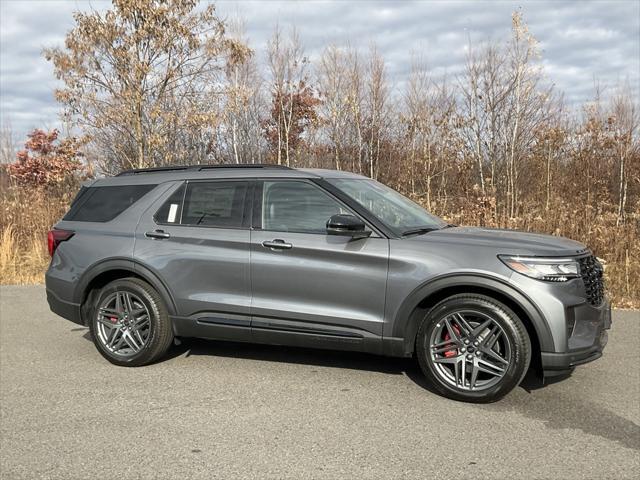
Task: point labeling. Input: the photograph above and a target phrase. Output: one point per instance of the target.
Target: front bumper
(586, 342)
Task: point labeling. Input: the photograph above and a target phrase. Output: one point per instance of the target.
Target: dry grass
(26, 217)
(25, 263)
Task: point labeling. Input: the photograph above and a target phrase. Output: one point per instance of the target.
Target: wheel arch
(104, 272)
(422, 299)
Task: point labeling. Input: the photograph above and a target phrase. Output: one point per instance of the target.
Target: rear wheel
(473, 348)
(130, 325)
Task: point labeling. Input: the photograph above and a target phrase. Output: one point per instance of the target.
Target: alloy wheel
(470, 350)
(123, 324)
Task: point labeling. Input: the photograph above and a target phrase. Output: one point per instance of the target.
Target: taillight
(55, 236)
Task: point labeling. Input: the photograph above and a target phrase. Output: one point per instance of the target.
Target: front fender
(407, 320)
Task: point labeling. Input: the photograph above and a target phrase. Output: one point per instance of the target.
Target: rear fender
(124, 265)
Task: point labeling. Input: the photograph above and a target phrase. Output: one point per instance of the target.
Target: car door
(310, 288)
(197, 239)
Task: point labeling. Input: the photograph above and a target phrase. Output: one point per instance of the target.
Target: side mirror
(347, 225)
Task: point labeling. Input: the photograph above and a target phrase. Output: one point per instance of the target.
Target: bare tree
(377, 107)
(333, 85)
(485, 88)
(244, 106)
(355, 102)
(504, 102)
(625, 130)
(140, 78)
(8, 146)
(419, 107)
(341, 77)
(288, 69)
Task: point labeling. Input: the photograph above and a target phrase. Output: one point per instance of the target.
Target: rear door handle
(157, 234)
(277, 244)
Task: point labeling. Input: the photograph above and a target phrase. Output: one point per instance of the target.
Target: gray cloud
(581, 42)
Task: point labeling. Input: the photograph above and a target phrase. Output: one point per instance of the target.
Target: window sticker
(173, 209)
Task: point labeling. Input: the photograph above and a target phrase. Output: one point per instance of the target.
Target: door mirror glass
(346, 224)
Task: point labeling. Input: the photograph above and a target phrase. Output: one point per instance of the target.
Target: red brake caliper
(447, 337)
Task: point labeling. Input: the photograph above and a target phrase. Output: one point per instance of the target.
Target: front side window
(393, 209)
(292, 206)
(210, 204)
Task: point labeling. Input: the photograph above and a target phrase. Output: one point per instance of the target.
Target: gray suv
(325, 259)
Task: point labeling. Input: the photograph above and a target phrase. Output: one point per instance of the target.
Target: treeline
(161, 82)
(150, 83)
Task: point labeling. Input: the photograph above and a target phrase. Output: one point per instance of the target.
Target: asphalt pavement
(219, 410)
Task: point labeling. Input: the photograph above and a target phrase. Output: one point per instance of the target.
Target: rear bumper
(68, 310)
(590, 323)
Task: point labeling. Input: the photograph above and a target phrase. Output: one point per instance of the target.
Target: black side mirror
(348, 225)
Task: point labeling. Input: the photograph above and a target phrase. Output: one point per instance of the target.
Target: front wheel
(473, 348)
(130, 324)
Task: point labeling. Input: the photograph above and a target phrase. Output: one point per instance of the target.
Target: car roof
(205, 172)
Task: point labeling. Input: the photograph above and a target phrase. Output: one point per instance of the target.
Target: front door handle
(277, 244)
(157, 234)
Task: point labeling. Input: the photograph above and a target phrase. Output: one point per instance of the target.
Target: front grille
(592, 272)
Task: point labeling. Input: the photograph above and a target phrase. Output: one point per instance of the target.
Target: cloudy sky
(582, 43)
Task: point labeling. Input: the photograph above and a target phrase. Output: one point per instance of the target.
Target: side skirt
(271, 331)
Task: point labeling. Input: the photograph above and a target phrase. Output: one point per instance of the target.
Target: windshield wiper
(206, 214)
(421, 230)
(418, 231)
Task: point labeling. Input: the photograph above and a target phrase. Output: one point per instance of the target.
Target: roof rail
(199, 168)
(241, 165)
(135, 171)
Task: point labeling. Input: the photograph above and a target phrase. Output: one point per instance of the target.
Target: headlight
(549, 269)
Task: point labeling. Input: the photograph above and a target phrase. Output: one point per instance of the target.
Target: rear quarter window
(102, 204)
(171, 211)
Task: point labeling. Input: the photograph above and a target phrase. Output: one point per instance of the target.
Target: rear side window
(210, 204)
(101, 204)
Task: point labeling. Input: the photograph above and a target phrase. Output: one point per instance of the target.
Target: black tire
(160, 333)
(509, 325)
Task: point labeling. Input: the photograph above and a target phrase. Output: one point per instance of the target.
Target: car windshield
(393, 209)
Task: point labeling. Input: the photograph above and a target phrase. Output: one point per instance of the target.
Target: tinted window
(79, 196)
(297, 207)
(101, 204)
(171, 211)
(214, 204)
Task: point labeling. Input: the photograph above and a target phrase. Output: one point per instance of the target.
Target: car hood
(505, 241)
